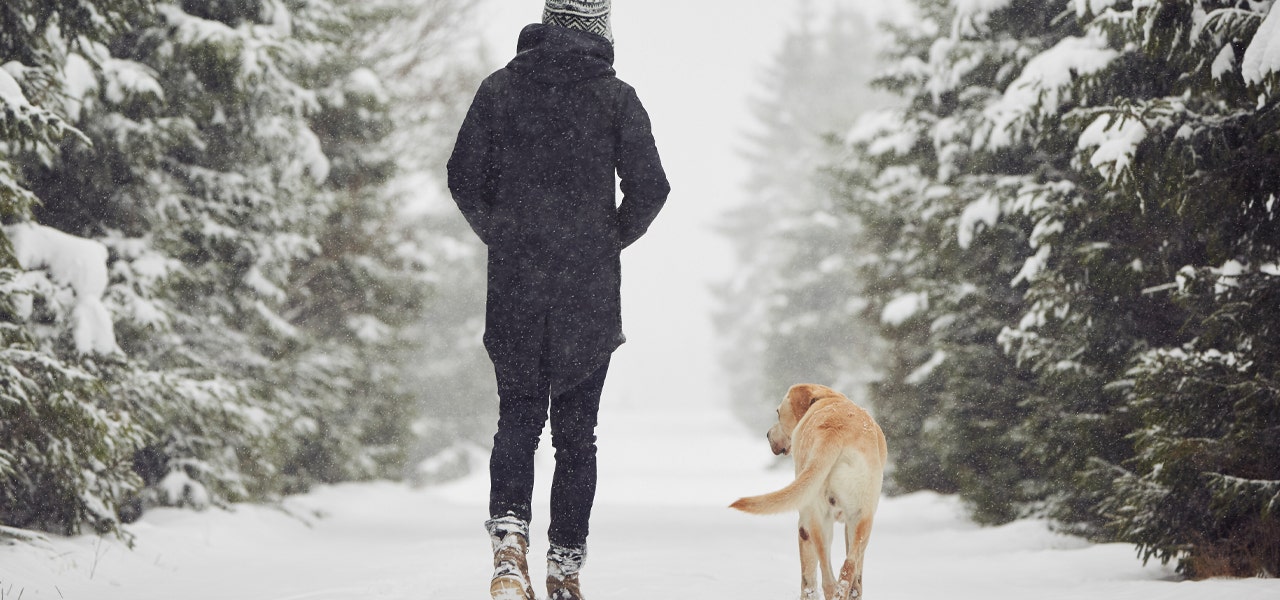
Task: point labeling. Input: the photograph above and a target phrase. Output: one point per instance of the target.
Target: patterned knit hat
(591, 16)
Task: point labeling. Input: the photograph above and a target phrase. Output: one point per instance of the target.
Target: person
(533, 171)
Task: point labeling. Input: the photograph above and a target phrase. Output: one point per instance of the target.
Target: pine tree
(1191, 155)
(941, 241)
(1105, 147)
(364, 293)
(431, 65)
(787, 314)
(240, 175)
(203, 181)
(239, 160)
(65, 448)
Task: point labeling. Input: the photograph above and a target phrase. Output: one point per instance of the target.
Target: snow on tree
(446, 369)
(940, 242)
(65, 451)
(1197, 154)
(385, 99)
(1261, 61)
(232, 163)
(787, 313)
(1088, 186)
(79, 264)
(212, 197)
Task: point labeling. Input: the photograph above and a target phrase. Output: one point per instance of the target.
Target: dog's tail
(807, 483)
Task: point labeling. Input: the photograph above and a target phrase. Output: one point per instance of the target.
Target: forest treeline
(214, 283)
(1052, 267)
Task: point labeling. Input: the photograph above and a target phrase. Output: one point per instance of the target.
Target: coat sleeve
(644, 183)
(473, 165)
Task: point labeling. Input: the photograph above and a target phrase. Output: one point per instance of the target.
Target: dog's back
(854, 483)
(839, 451)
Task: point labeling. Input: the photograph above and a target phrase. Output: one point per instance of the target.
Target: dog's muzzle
(779, 448)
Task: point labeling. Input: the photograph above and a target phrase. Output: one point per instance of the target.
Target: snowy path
(660, 532)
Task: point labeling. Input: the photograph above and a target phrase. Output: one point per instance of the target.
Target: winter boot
(563, 565)
(510, 537)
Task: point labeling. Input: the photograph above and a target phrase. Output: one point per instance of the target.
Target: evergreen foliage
(1066, 241)
(66, 449)
(446, 366)
(1200, 489)
(785, 321)
(239, 161)
(1204, 488)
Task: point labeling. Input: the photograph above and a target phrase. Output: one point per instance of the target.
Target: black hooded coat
(533, 172)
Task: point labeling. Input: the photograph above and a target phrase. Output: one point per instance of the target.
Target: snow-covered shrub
(66, 457)
(1204, 488)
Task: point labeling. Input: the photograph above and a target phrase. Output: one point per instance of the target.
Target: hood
(554, 54)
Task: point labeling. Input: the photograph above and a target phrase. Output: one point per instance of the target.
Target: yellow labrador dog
(840, 454)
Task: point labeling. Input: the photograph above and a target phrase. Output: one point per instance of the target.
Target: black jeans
(521, 418)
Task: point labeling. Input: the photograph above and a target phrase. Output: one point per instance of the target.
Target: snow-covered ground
(661, 530)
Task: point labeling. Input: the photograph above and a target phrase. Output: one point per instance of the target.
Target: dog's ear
(801, 397)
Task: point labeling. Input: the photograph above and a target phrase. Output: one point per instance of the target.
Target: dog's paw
(845, 591)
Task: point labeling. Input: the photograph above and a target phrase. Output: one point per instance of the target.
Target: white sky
(694, 64)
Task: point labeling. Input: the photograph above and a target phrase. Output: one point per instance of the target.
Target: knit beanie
(591, 16)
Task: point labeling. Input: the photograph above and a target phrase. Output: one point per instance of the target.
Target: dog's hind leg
(824, 556)
(857, 536)
(811, 556)
(815, 553)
